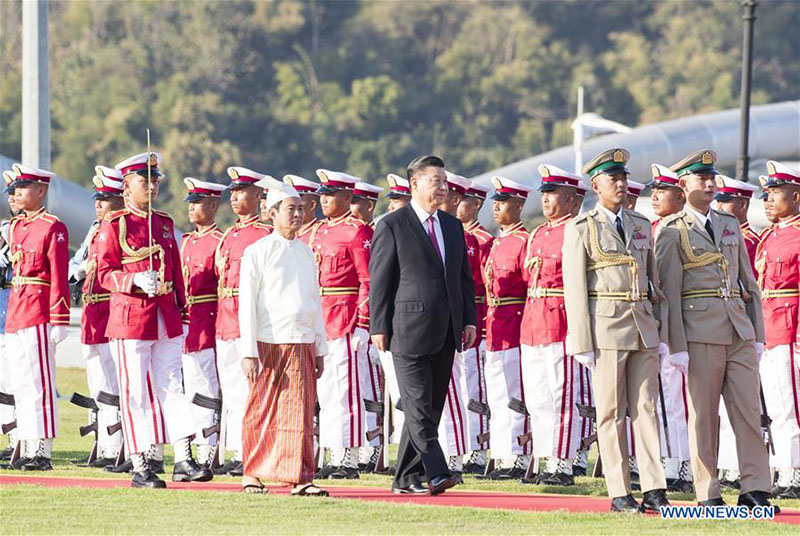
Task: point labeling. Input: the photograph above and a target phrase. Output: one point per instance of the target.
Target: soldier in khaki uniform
(715, 330)
(609, 276)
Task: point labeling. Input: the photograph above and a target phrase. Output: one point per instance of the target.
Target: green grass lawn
(27, 509)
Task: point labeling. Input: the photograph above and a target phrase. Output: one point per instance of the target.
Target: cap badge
(618, 156)
(706, 159)
(771, 168)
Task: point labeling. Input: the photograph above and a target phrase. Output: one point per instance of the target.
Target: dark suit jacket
(411, 296)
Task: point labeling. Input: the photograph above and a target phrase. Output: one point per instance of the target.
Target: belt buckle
(540, 292)
(725, 293)
(635, 295)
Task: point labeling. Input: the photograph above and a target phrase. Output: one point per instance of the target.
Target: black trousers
(423, 383)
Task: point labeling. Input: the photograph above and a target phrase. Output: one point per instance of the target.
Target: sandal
(309, 490)
(255, 489)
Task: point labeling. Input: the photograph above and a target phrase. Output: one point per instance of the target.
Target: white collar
(701, 218)
(423, 214)
(612, 217)
(281, 240)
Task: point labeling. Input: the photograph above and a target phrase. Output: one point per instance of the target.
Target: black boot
(345, 473)
(124, 467)
(147, 479)
(38, 463)
(189, 471)
(157, 466)
(654, 499)
(626, 504)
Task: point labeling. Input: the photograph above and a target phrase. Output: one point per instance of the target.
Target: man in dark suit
(422, 308)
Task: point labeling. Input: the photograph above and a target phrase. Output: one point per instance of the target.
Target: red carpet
(474, 499)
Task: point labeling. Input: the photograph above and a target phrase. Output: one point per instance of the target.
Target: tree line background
(289, 86)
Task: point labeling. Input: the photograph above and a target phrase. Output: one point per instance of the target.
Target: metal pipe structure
(774, 132)
(742, 165)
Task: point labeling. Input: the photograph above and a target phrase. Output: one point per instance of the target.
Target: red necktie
(432, 234)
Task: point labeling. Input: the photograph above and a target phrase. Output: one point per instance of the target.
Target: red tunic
(305, 231)
(96, 299)
(484, 239)
(751, 240)
(228, 259)
(506, 289)
(341, 249)
(778, 264)
(200, 279)
(122, 253)
(544, 320)
(40, 256)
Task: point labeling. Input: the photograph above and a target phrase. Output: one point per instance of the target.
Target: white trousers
(727, 458)
(154, 407)
(584, 397)
(504, 382)
(235, 391)
(548, 376)
(371, 389)
(342, 419)
(453, 424)
(390, 383)
(101, 375)
(31, 363)
(780, 379)
(6, 412)
(200, 376)
(673, 382)
(474, 386)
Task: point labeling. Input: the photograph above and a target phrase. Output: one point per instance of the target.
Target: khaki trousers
(730, 371)
(626, 381)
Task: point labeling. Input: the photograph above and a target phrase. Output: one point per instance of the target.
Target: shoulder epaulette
(666, 220)
(725, 215)
(521, 233)
(355, 222)
(262, 225)
(536, 230)
(584, 216)
(482, 231)
(116, 214)
(162, 213)
(49, 218)
(638, 215)
(217, 233)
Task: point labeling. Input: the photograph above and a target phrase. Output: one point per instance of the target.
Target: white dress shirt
(612, 218)
(702, 218)
(423, 216)
(279, 300)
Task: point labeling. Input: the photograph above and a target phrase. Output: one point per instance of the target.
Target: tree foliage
(288, 86)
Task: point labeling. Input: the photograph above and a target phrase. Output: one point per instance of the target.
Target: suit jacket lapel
(716, 224)
(628, 227)
(416, 228)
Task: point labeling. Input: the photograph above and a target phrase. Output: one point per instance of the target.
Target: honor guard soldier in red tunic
(139, 264)
(635, 190)
(667, 198)
(199, 358)
(310, 199)
(453, 426)
(341, 245)
(548, 372)
(38, 313)
(247, 230)
(778, 264)
(399, 194)
(506, 293)
(365, 198)
(734, 197)
(475, 357)
(101, 371)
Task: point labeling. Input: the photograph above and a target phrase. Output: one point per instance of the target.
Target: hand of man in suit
(469, 336)
(381, 341)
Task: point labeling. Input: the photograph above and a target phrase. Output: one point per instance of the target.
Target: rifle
(766, 420)
(8, 400)
(481, 409)
(215, 404)
(90, 404)
(374, 406)
(664, 416)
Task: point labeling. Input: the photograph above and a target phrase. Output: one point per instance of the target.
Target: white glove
(58, 334)
(586, 359)
(80, 273)
(663, 352)
(759, 350)
(679, 361)
(359, 339)
(4, 257)
(147, 281)
(185, 328)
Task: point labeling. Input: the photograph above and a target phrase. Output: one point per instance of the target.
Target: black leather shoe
(536, 479)
(578, 470)
(102, 462)
(499, 474)
(157, 466)
(124, 467)
(413, 489)
(38, 463)
(558, 479)
(474, 469)
(147, 479)
(712, 502)
(345, 473)
(6, 454)
(679, 485)
(440, 483)
(753, 498)
(231, 469)
(17, 465)
(236, 470)
(792, 492)
(189, 471)
(654, 499)
(626, 504)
